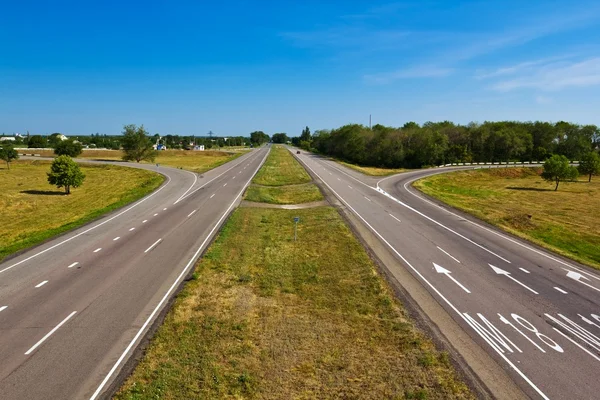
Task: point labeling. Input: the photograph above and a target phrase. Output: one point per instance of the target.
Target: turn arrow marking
(442, 270)
(500, 271)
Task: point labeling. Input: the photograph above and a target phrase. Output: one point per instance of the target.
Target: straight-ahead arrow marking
(577, 276)
(442, 270)
(500, 271)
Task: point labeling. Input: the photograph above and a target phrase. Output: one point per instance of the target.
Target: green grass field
(33, 210)
(519, 201)
(267, 317)
(196, 161)
(281, 169)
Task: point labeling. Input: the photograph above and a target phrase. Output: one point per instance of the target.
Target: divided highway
(535, 313)
(73, 309)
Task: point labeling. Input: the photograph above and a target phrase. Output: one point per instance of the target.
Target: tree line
(437, 143)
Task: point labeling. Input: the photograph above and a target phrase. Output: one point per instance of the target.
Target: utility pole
(369, 121)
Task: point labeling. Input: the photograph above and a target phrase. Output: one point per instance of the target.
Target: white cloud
(523, 66)
(555, 76)
(409, 73)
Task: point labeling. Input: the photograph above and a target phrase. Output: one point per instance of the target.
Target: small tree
(590, 165)
(64, 172)
(137, 146)
(557, 169)
(8, 154)
(36, 142)
(69, 148)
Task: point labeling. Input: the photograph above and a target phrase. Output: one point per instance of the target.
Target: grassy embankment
(282, 180)
(196, 161)
(266, 317)
(566, 221)
(373, 171)
(33, 210)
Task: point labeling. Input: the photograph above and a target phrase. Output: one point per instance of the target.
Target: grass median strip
(295, 194)
(33, 210)
(519, 201)
(281, 169)
(282, 180)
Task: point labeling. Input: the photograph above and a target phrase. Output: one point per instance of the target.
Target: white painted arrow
(442, 270)
(500, 271)
(577, 276)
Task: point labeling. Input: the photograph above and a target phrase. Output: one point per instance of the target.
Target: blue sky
(80, 67)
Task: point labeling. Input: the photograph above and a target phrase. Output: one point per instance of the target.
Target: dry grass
(196, 161)
(269, 318)
(281, 168)
(519, 201)
(33, 210)
(374, 171)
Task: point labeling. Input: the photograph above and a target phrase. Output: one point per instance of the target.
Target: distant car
(298, 152)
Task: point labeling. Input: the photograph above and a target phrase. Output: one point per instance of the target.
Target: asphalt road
(535, 313)
(73, 309)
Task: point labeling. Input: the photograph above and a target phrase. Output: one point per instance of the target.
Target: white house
(7, 139)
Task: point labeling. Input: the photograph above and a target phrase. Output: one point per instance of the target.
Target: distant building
(7, 139)
(61, 137)
(199, 148)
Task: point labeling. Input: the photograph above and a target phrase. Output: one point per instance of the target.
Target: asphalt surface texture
(73, 309)
(536, 314)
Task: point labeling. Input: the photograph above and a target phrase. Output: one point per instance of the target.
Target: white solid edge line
(560, 290)
(524, 270)
(98, 249)
(216, 177)
(175, 283)
(3, 308)
(448, 254)
(74, 264)
(35, 346)
(542, 253)
(41, 284)
(87, 230)
(513, 366)
(190, 214)
(153, 244)
(190, 188)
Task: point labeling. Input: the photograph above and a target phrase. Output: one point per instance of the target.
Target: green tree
(137, 145)
(36, 142)
(54, 139)
(64, 172)
(557, 169)
(8, 154)
(68, 147)
(258, 137)
(590, 165)
(279, 138)
(305, 135)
